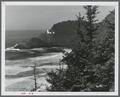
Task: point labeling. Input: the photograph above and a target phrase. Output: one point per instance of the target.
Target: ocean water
(19, 71)
(13, 37)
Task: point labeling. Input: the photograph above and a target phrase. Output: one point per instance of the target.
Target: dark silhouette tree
(34, 77)
(77, 76)
(91, 12)
(105, 57)
(90, 66)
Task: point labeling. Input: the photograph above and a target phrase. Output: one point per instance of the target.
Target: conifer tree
(78, 75)
(105, 57)
(89, 68)
(91, 12)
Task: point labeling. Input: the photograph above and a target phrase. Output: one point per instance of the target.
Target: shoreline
(22, 71)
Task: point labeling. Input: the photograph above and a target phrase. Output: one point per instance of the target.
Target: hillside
(16, 36)
(103, 26)
(65, 34)
(66, 30)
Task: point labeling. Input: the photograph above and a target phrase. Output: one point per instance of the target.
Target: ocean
(19, 71)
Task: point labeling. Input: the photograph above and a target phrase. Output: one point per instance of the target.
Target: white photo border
(59, 3)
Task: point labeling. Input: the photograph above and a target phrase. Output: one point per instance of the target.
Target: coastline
(19, 72)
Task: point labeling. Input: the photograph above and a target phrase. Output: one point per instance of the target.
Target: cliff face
(65, 32)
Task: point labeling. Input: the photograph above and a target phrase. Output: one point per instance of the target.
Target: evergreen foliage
(90, 66)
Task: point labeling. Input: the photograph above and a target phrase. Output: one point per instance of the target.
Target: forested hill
(66, 30)
(66, 34)
(103, 26)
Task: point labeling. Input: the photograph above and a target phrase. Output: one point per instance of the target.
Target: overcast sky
(43, 17)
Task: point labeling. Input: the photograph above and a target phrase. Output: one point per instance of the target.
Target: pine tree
(78, 74)
(90, 67)
(90, 21)
(105, 57)
(34, 77)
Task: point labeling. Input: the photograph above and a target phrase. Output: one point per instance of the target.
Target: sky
(44, 17)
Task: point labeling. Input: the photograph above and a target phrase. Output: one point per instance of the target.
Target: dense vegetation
(90, 64)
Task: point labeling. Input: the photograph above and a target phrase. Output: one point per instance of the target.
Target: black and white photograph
(59, 48)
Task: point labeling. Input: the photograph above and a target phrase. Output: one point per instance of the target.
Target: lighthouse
(48, 32)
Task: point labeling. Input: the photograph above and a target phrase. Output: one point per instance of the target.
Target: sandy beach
(19, 73)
